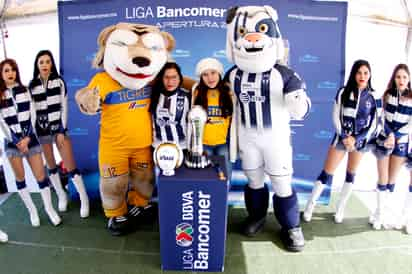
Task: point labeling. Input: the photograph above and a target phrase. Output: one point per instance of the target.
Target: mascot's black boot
(287, 212)
(143, 214)
(257, 202)
(119, 225)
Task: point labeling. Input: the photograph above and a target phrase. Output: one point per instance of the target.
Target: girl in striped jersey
(356, 115)
(169, 106)
(213, 94)
(392, 149)
(50, 101)
(17, 118)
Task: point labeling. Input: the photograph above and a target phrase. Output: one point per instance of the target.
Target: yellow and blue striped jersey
(125, 118)
(216, 128)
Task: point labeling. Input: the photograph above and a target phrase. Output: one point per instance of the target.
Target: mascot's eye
(263, 28)
(242, 31)
(155, 47)
(119, 43)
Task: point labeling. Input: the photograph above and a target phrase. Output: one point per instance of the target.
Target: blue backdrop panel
(315, 32)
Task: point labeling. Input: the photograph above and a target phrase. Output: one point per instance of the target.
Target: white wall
(29, 35)
(382, 46)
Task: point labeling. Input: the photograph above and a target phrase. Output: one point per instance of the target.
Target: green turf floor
(84, 246)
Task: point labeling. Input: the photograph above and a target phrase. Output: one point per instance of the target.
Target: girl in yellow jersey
(214, 95)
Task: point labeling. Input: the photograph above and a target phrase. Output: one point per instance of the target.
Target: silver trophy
(197, 118)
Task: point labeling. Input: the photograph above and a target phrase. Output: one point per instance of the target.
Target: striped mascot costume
(268, 96)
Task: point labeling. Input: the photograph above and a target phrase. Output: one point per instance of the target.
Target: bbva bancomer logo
(184, 233)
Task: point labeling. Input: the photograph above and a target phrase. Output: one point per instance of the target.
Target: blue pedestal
(193, 219)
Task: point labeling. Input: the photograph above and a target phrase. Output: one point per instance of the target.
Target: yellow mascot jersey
(125, 118)
(216, 128)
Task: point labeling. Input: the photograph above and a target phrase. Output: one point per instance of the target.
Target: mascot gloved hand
(268, 96)
(131, 56)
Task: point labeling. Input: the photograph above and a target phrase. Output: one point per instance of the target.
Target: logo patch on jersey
(368, 104)
(135, 105)
(180, 104)
(164, 121)
(244, 97)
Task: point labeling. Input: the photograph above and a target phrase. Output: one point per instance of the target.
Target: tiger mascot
(131, 56)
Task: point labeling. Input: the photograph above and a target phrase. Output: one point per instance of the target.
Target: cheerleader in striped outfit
(50, 100)
(17, 118)
(356, 115)
(392, 149)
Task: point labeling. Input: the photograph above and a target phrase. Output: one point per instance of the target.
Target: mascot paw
(298, 104)
(88, 101)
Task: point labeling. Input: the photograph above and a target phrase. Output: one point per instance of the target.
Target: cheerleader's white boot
(343, 199)
(3, 237)
(84, 199)
(406, 218)
(310, 205)
(61, 194)
(48, 206)
(377, 220)
(28, 202)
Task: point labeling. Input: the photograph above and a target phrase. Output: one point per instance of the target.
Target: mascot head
(133, 53)
(253, 39)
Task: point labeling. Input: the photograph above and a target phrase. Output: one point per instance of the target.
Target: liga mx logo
(184, 233)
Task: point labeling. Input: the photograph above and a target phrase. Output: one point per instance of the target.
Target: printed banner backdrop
(315, 32)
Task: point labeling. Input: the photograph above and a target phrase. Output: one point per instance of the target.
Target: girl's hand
(349, 143)
(23, 145)
(60, 140)
(390, 141)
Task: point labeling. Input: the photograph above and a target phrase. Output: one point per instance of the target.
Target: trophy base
(197, 161)
(168, 172)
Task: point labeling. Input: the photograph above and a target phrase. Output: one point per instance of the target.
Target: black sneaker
(252, 227)
(118, 225)
(143, 214)
(293, 239)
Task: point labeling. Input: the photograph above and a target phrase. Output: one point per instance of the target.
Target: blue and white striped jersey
(17, 115)
(170, 117)
(50, 101)
(398, 115)
(261, 96)
(360, 117)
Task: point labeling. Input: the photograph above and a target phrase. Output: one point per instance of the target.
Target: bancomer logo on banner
(164, 12)
(186, 231)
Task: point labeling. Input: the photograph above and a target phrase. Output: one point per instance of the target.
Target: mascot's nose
(253, 37)
(141, 61)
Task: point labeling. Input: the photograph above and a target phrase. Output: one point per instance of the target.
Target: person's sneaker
(293, 239)
(118, 225)
(252, 227)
